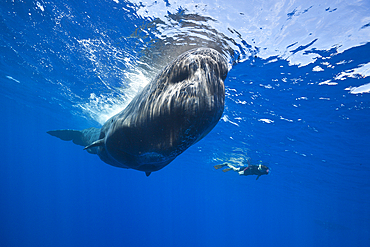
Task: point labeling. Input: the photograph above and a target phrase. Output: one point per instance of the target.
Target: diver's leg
(236, 169)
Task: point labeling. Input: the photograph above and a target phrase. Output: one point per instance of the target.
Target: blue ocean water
(297, 100)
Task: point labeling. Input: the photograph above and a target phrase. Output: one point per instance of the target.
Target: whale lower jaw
(152, 160)
(147, 162)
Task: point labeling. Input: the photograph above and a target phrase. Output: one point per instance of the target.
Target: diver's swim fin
(219, 166)
(147, 173)
(258, 177)
(227, 169)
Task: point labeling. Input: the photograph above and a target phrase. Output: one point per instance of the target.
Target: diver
(258, 170)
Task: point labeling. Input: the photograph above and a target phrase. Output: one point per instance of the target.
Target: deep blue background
(55, 194)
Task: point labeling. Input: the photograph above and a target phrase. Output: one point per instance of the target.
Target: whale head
(176, 109)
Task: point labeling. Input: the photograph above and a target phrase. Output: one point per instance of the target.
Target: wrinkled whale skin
(176, 109)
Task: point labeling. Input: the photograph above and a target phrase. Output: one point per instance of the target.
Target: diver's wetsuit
(254, 170)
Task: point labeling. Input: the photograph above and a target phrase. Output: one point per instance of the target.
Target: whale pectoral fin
(86, 137)
(97, 143)
(147, 173)
(69, 135)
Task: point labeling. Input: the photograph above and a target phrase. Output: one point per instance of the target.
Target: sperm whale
(179, 107)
